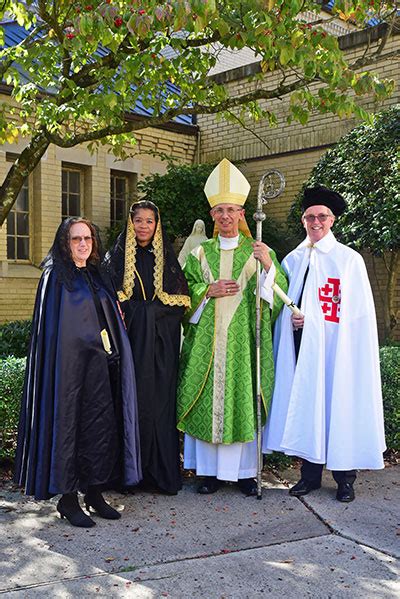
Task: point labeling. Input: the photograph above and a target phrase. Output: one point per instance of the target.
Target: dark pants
(313, 473)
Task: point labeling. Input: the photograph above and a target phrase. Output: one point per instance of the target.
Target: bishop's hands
(261, 253)
(223, 288)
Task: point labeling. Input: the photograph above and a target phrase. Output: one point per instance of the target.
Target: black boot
(345, 492)
(303, 487)
(69, 508)
(209, 485)
(95, 499)
(248, 486)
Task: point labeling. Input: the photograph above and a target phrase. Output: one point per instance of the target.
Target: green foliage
(111, 234)
(179, 194)
(364, 168)
(390, 372)
(14, 338)
(12, 371)
(98, 61)
(277, 461)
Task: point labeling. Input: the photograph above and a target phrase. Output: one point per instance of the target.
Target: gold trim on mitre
(226, 185)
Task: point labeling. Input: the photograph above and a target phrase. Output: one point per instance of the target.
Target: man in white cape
(327, 402)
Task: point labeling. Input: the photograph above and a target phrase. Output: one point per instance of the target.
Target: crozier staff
(78, 426)
(327, 402)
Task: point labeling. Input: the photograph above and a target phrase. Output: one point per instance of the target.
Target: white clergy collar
(324, 245)
(228, 243)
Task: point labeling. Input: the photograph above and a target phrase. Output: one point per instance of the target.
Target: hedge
(12, 372)
(390, 372)
(14, 338)
(12, 380)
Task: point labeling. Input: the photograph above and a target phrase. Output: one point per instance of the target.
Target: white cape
(327, 408)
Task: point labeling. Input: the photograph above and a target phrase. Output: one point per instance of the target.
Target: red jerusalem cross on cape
(329, 296)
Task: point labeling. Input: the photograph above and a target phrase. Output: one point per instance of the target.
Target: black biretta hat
(320, 195)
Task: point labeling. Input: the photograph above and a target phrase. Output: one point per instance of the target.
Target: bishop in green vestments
(217, 380)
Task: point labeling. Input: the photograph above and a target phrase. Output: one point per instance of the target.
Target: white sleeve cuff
(267, 279)
(196, 316)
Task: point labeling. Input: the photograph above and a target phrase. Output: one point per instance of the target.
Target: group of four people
(91, 421)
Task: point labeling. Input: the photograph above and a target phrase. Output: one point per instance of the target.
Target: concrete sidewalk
(218, 546)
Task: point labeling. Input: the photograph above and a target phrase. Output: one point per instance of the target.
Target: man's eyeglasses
(310, 218)
(78, 238)
(229, 211)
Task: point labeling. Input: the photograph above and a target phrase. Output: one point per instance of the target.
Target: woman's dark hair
(60, 257)
(144, 205)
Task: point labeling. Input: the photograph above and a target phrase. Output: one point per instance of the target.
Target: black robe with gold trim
(153, 294)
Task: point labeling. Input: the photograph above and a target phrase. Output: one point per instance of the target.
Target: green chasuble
(217, 379)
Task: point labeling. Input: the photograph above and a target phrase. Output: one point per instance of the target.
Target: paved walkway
(220, 546)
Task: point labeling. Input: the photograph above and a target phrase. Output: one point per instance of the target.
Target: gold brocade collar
(126, 292)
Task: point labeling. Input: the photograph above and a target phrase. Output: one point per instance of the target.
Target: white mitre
(226, 185)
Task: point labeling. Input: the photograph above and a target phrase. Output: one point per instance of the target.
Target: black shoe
(69, 508)
(209, 485)
(95, 499)
(303, 487)
(248, 486)
(345, 492)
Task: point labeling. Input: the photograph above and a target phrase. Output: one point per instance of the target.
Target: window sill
(19, 271)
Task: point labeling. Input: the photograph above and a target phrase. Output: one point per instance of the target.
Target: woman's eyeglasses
(78, 238)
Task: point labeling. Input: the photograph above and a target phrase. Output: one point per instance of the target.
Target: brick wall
(18, 281)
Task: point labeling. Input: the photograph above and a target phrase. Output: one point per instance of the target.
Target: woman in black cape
(153, 293)
(78, 425)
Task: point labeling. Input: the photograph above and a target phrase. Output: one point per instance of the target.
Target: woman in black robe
(153, 293)
(78, 425)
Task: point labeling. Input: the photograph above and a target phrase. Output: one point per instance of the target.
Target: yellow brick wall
(222, 139)
(17, 296)
(293, 149)
(18, 281)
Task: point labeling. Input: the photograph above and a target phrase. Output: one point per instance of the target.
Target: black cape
(78, 424)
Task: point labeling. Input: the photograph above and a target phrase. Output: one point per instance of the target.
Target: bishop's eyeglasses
(230, 211)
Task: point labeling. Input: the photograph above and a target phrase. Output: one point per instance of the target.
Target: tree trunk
(19, 171)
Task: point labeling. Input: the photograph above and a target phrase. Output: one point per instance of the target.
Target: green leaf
(297, 38)
(286, 54)
(85, 24)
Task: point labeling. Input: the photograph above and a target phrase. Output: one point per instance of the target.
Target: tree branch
(244, 126)
(84, 77)
(374, 58)
(27, 42)
(26, 162)
(137, 124)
